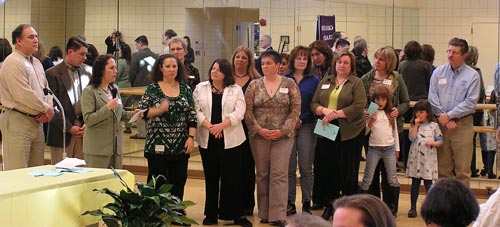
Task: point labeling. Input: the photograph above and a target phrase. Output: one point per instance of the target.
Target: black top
(216, 108)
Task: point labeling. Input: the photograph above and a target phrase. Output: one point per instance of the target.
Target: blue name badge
(372, 108)
(329, 131)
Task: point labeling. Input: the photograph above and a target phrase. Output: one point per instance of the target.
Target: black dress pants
(222, 169)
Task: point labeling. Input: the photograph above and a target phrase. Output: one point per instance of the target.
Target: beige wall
(211, 23)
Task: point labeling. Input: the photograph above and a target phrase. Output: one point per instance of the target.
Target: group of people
(249, 127)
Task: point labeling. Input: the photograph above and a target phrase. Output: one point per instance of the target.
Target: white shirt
(233, 107)
(383, 135)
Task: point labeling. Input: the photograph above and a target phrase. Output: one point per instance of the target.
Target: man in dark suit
(264, 43)
(67, 81)
(141, 64)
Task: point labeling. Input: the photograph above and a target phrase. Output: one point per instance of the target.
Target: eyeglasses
(453, 52)
(176, 49)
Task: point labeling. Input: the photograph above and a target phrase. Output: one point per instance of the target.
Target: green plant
(150, 207)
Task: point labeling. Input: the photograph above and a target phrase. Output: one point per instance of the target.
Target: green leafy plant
(150, 207)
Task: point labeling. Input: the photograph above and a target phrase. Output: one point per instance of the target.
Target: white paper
(70, 163)
(136, 116)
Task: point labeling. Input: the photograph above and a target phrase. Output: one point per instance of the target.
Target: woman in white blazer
(220, 107)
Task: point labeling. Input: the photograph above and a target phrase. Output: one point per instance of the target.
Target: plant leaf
(111, 222)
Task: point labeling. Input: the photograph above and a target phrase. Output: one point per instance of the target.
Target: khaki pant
(23, 140)
(271, 161)
(455, 155)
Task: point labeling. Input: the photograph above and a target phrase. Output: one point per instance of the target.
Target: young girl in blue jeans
(383, 142)
(425, 136)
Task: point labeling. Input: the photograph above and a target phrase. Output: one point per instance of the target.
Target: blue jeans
(303, 149)
(388, 154)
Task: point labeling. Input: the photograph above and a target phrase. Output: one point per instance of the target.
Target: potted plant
(150, 207)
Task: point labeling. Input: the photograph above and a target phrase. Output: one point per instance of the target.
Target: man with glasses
(27, 104)
(141, 64)
(453, 94)
(178, 47)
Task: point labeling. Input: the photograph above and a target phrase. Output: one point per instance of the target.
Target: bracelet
(190, 136)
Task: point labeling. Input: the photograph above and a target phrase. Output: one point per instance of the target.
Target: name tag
(283, 90)
(387, 82)
(325, 86)
(159, 148)
(442, 81)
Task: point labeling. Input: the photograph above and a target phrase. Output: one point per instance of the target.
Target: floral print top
(279, 111)
(167, 134)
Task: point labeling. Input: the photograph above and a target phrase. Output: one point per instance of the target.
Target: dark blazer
(141, 61)
(62, 86)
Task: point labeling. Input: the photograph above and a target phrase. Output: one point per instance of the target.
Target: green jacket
(352, 100)
(400, 98)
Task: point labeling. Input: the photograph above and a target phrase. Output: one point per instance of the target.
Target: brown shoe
(136, 136)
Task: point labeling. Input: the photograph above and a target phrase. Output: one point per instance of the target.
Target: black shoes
(210, 221)
(127, 130)
(492, 176)
(264, 221)
(280, 223)
(412, 213)
(483, 172)
(291, 209)
(242, 221)
(306, 207)
(328, 212)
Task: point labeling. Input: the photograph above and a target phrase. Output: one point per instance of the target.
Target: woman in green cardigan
(340, 99)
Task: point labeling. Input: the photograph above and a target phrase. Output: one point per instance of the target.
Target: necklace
(339, 84)
(217, 91)
(240, 76)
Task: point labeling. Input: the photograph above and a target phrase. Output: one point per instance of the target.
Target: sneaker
(291, 209)
(412, 213)
(242, 221)
(306, 207)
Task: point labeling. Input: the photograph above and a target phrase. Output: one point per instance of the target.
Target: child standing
(425, 136)
(383, 142)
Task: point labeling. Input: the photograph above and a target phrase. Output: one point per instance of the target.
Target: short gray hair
(178, 39)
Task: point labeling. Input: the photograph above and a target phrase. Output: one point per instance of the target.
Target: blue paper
(329, 131)
(49, 172)
(372, 108)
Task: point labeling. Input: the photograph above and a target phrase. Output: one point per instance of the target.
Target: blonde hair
(252, 72)
(389, 55)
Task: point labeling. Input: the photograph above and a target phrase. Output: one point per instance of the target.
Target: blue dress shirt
(454, 92)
